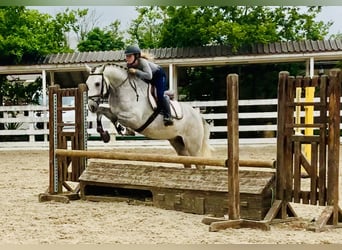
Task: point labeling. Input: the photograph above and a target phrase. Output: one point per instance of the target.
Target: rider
(139, 65)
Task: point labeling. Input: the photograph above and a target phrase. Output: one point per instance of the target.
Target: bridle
(104, 84)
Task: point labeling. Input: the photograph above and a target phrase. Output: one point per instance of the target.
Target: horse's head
(101, 79)
(97, 86)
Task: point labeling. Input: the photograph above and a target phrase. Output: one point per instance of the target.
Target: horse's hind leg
(178, 144)
(194, 148)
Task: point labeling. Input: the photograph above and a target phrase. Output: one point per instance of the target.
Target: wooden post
(281, 208)
(281, 143)
(80, 129)
(233, 220)
(331, 216)
(233, 146)
(322, 161)
(53, 168)
(334, 136)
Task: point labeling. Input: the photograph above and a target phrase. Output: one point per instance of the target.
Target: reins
(134, 87)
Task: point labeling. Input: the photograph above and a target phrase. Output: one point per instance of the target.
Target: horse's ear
(88, 68)
(102, 67)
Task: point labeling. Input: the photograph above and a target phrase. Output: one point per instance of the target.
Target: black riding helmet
(133, 50)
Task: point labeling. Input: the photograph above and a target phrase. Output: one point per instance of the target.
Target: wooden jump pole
(112, 155)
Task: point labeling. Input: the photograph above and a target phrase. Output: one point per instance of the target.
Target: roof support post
(310, 67)
(44, 103)
(173, 85)
(44, 86)
(52, 78)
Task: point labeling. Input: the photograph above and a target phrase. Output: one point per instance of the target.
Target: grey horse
(130, 106)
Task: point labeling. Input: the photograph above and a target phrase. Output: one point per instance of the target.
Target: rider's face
(130, 58)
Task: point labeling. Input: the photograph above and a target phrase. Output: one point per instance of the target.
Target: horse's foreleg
(114, 119)
(99, 128)
(107, 113)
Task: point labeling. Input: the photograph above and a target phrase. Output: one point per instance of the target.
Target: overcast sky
(106, 14)
(125, 14)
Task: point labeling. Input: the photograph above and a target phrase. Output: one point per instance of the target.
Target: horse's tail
(206, 147)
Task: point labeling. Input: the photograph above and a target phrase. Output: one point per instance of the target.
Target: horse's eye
(97, 84)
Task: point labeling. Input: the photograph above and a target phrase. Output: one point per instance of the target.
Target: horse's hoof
(105, 136)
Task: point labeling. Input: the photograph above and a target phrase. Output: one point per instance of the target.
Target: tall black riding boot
(167, 111)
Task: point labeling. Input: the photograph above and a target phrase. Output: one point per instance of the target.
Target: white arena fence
(255, 126)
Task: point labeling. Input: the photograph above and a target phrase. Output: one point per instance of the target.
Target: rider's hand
(132, 70)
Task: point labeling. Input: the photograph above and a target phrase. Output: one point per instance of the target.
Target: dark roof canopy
(68, 69)
(198, 52)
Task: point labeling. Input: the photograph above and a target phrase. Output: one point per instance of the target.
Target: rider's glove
(132, 70)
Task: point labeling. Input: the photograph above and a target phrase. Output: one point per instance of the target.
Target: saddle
(175, 107)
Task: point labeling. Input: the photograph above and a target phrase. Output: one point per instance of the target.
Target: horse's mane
(103, 66)
(132, 78)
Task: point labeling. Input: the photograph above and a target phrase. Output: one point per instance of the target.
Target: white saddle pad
(175, 107)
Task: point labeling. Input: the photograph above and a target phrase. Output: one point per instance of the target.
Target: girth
(149, 120)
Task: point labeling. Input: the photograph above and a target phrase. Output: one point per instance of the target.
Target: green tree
(237, 26)
(294, 24)
(103, 40)
(85, 23)
(16, 92)
(336, 36)
(25, 34)
(145, 30)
